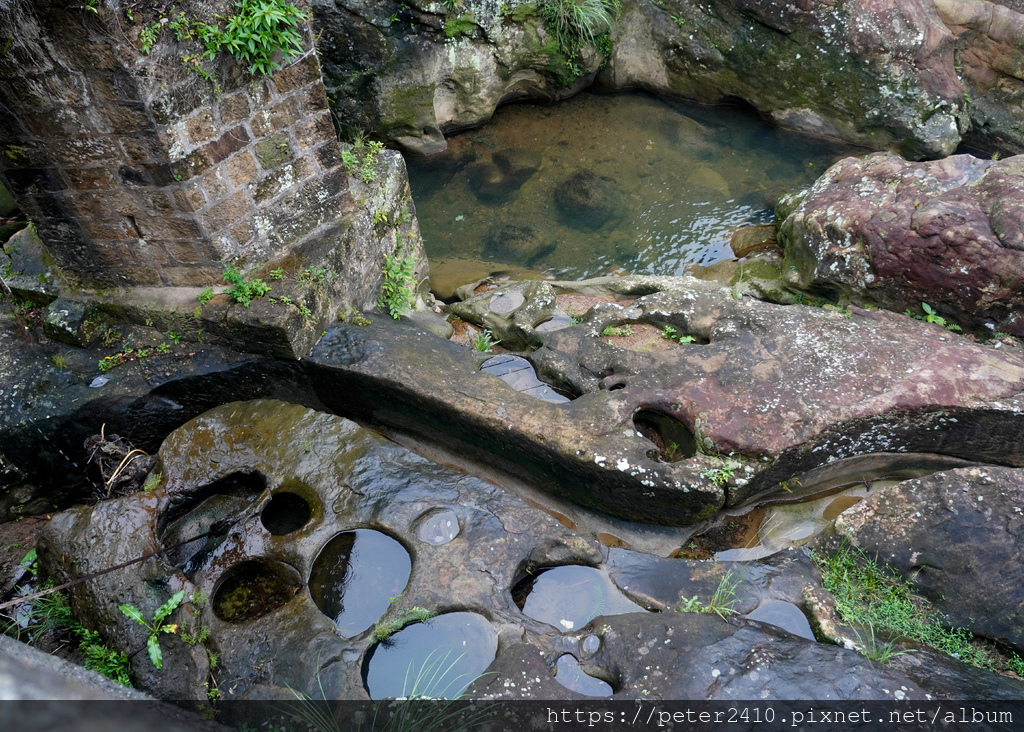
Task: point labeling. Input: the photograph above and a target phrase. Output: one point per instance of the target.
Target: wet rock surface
(229, 466)
(894, 65)
(949, 233)
(956, 536)
(779, 389)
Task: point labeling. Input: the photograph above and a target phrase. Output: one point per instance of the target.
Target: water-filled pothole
(571, 675)
(438, 526)
(569, 597)
(518, 373)
(212, 509)
(437, 658)
(673, 439)
(355, 576)
(252, 589)
(783, 615)
(286, 512)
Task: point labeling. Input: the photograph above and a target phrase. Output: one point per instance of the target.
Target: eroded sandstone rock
(885, 231)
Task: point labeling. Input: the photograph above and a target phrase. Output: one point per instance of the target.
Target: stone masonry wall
(138, 173)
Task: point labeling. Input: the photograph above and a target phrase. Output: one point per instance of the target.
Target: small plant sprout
(722, 602)
(617, 330)
(484, 341)
(931, 316)
(156, 627)
(398, 291)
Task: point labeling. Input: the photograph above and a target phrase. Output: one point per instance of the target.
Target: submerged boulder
(587, 201)
(886, 231)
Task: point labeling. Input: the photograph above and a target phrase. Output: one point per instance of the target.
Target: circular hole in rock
(285, 513)
(355, 576)
(252, 589)
(570, 674)
(438, 658)
(674, 439)
(784, 615)
(570, 597)
(438, 527)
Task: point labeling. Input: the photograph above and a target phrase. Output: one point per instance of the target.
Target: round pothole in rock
(673, 439)
(783, 615)
(253, 589)
(285, 513)
(518, 373)
(355, 576)
(438, 527)
(438, 658)
(570, 597)
(570, 674)
(506, 302)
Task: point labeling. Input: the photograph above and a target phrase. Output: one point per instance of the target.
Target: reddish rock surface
(886, 231)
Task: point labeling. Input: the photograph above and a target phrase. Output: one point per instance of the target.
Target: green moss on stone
(458, 26)
(273, 152)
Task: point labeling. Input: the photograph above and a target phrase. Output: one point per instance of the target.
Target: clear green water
(679, 179)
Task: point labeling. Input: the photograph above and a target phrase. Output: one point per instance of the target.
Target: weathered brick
(226, 213)
(234, 108)
(75, 151)
(167, 227)
(142, 148)
(142, 276)
(25, 181)
(114, 86)
(109, 229)
(183, 251)
(241, 169)
(59, 123)
(274, 151)
(146, 174)
(141, 251)
(124, 203)
(156, 203)
(88, 204)
(126, 118)
(297, 75)
(328, 156)
(216, 184)
(200, 127)
(105, 254)
(313, 98)
(194, 276)
(195, 163)
(277, 182)
(227, 144)
(243, 232)
(261, 94)
(189, 199)
(275, 118)
(317, 129)
(91, 179)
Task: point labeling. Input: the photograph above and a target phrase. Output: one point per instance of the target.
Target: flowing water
(670, 182)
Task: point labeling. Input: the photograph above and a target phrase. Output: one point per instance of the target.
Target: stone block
(227, 212)
(113, 86)
(189, 199)
(261, 94)
(195, 163)
(126, 117)
(243, 232)
(156, 203)
(315, 130)
(101, 229)
(167, 227)
(58, 123)
(26, 181)
(274, 151)
(216, 185)
(137, 275)
(142, 252)
(124, 203)
(76, 151)
(313, 98)
(142, 148)
(281, 180)
(88, 204)
(74, 323)
(91, 179)
(197, 276)
(234, 108)
(241, 169)
(328, 156)
(297, 75)
(275, 118)
(201, 127)
(227, 144)
(182, 251)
